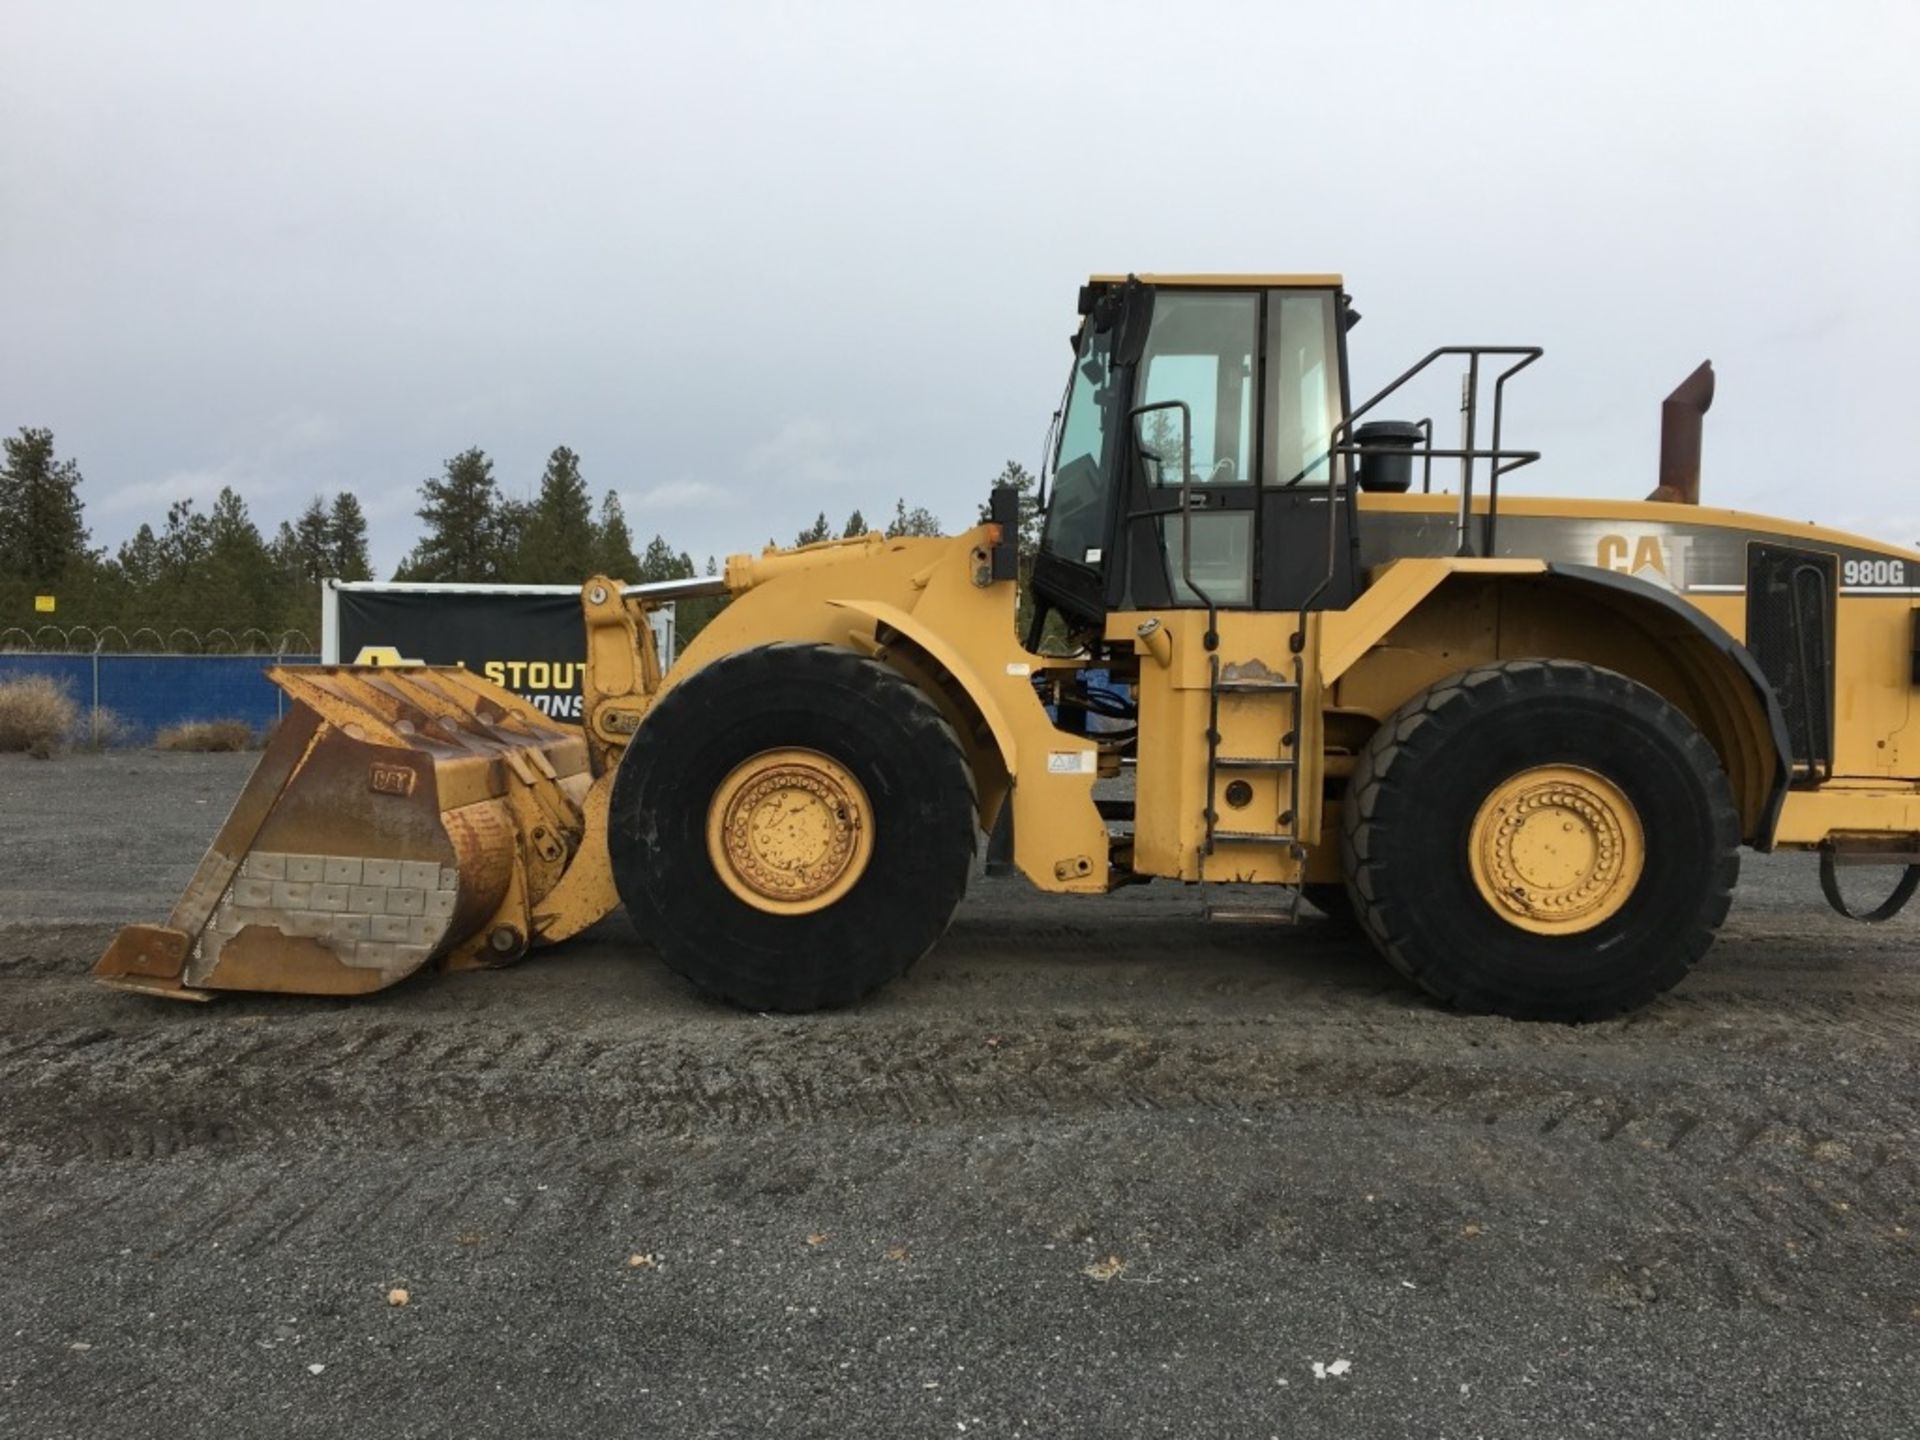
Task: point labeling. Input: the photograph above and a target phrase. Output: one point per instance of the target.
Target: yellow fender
(1060, 841)
(956, 665)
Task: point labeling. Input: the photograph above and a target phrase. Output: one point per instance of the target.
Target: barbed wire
(147, 640)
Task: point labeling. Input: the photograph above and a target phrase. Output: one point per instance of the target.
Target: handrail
(1341, 445)
(1212, 638)
(1501, 461)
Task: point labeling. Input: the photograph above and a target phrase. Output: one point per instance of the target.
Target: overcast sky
(753, 261)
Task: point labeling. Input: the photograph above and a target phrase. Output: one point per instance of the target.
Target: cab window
(1201, 350)
(1303, 386)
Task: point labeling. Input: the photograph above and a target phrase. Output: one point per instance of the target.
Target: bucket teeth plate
(399, 816)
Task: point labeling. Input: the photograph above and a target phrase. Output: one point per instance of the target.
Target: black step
(1251, 915)
(1251, 762)
(1251, 837)
(1256, 687)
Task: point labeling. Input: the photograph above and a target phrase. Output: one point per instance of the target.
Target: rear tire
(870, 726)
(1662, 856)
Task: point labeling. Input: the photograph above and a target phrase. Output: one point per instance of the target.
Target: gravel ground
(1096, 1168)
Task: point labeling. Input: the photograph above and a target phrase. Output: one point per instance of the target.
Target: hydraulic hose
(1892, 906)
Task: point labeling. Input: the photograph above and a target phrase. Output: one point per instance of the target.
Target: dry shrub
(35, 714)
(209, 735)
(101, 729)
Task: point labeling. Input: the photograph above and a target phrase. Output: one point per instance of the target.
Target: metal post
(1468, 401)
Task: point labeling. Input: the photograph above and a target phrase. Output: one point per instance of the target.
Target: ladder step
(1251, 837)
(1249, 915)
(1251, 762)
(1256, 687)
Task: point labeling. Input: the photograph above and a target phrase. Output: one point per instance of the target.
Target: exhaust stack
(1682, 417)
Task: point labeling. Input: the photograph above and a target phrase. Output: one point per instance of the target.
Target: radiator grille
(1790, 630)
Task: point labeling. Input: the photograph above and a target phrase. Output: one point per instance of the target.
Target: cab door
(1195, 418)
(1237, 396)
(1303, 556)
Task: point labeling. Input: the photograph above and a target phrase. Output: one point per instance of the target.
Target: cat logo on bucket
(388, 779)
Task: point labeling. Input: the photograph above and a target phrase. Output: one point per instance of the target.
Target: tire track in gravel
(1700, 1239)
(153, 1096)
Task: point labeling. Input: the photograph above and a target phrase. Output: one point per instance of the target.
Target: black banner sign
(529, 641)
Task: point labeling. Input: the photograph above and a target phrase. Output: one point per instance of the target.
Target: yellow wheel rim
(790, 831)
(1557, 849)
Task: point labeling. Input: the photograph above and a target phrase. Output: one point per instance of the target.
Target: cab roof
(1228, 282)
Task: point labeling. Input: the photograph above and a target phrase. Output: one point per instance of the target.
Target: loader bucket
(399, 817)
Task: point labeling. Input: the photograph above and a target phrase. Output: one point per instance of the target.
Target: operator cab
(1193, 464)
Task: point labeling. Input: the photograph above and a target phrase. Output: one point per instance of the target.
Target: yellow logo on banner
(381, 655)
(43, 604)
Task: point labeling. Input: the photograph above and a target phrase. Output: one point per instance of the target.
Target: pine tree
(347, 557)
(139, 559)
(324, 542)
(304, 550)
(816, 532)
(43, 535)
(855, 527)
(613, 543)
(184, 543)
(461, 510)
(511, 519)
(663, 562)
(557, 545)
(236, 587)
(917, 521)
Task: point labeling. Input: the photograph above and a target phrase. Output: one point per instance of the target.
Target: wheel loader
(1518, 743)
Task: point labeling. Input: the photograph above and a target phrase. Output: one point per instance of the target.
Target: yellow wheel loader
(1520, 742)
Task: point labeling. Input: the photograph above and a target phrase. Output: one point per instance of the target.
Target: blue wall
(151, 692)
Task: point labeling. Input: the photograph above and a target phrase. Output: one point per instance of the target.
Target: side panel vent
(1790, 630)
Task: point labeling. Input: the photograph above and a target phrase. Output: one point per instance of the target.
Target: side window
(1303, 383)
(1077, 517)
(1083, 431)
(1201, 350)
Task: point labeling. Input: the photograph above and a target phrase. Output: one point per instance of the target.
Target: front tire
(792, 827)
(1541, 839)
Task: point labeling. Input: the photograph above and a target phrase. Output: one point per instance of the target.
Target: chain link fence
(131, 687)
